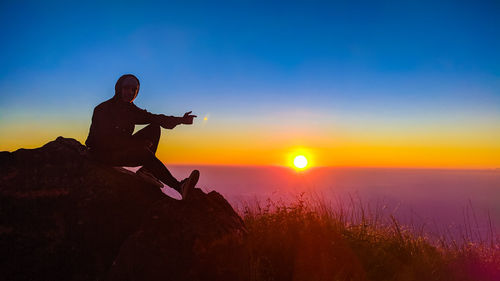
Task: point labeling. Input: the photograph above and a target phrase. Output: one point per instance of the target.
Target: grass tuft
(311, 240)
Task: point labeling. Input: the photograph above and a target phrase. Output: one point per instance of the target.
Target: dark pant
(141, 152)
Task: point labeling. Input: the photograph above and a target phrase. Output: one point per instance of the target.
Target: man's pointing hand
(188, 118)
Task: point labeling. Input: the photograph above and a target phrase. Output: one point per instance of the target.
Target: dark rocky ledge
(66, 217)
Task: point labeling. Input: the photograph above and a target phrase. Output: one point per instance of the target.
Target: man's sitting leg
(149, 136)
(156, 167)
(153, 165)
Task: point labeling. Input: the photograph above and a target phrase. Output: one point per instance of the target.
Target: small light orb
(300, 162)
(205, 118)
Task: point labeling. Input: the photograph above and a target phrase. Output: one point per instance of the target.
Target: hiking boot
(189, 183)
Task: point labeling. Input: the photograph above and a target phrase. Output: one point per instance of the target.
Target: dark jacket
(113, 123)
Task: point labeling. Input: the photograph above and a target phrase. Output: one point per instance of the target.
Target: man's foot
(189, 183)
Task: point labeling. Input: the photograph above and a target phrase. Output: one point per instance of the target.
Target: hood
(118, 84)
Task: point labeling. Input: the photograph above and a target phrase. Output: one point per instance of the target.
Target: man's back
(111, 122)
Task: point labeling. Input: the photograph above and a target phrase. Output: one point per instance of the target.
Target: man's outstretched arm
(169, 122)
(142, 116)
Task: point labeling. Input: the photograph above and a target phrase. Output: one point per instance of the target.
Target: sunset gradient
(371, 85)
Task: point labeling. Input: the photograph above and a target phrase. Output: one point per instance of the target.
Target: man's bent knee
(154, 128)
(155, 131)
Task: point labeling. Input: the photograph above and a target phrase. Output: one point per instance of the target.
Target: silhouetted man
(111, 139)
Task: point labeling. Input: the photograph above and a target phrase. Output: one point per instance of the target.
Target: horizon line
(331, 167)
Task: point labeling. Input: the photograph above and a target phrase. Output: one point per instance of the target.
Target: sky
(351, 83)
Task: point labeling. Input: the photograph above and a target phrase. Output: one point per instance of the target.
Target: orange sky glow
(224, 143)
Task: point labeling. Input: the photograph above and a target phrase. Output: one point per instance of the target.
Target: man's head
(127, 88)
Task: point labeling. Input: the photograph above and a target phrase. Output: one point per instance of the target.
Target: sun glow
(300, 158)
(300, 162)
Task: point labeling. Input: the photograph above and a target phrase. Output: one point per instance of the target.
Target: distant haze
(438, 199)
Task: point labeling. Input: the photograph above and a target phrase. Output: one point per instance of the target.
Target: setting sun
(300, 162)
(300, 158)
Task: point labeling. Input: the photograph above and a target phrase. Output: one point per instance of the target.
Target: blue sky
(283, 48)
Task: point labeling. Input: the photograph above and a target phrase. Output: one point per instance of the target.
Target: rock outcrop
(197, 239)
(66, 217)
